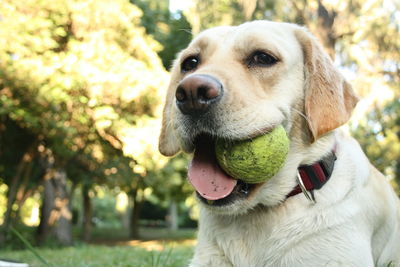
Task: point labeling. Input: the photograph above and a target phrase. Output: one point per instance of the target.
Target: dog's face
(240, 82)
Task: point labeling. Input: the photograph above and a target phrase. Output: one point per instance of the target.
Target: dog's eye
(259, 58)
(190, 63)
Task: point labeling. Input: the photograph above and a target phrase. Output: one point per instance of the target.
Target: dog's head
(240, 82)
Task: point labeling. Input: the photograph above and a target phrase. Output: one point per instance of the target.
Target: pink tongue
(206, 176)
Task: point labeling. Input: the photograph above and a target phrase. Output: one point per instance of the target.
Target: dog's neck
(316, 159)
(314, 176)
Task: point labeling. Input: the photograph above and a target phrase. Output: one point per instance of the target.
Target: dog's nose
(197, 93)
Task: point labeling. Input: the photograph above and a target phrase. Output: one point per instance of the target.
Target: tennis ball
(254, 160)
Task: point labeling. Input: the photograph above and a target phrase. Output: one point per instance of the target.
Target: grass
(173, 254)
(146, 233)
(157, 248)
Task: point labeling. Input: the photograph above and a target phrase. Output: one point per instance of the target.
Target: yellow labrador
(327, 206)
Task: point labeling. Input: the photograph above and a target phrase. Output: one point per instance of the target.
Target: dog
(239, 82)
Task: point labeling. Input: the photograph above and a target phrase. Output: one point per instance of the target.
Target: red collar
(313, 177)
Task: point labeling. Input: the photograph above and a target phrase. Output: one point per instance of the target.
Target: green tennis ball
(254, 160)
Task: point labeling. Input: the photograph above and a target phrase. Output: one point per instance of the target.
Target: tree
(78, 78)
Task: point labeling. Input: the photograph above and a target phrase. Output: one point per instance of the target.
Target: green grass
(146, 233)
(173, 255)
(158, 247)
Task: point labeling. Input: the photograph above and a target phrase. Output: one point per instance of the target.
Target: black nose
(197, 93)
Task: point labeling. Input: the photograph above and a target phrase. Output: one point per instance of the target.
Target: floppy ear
(329, 98)
(168, 143)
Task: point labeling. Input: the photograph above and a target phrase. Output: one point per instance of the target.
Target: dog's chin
(240, 201)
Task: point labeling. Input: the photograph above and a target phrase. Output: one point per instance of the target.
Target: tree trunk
(248, 8)
(44, 229)
(87, 214)
(135, 215)
(325, 30)
(26, 194)
(23, 166)
(56, 217)
(173, 216)
(397, 168)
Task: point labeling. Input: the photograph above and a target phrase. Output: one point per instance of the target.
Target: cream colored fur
(356, 219)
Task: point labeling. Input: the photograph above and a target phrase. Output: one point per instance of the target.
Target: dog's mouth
(214, 186)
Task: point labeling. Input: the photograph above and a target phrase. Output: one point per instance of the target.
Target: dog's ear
(168, 143)
(329, 98)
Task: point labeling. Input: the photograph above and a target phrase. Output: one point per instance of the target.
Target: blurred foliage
(172, 30)
(80, 89)
(204, 14)
(3, 200)
(79, 76)
(379, 135)
(104, 212)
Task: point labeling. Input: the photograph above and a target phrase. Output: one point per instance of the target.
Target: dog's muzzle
(197, 93)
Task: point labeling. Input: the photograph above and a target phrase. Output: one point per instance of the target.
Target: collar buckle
(308, 194)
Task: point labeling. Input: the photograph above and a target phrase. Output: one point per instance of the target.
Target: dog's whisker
(301, 114)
